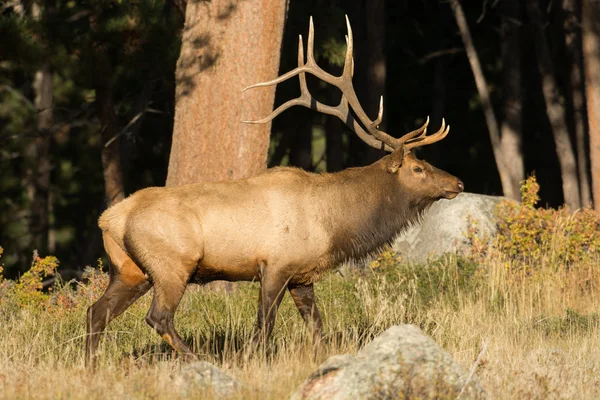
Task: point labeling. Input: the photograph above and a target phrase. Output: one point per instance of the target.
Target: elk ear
(395, 160)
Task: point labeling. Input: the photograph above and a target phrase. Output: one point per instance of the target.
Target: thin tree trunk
(573, 47)
(226, 46)
(301, 147)
(486, 103)
(591, 57)
(112, 170)
(376, 66)
(438, 106)
(39, 155)
(38, 152)
(511, 127)
(334, 137)
(555, 111)
(111, 157)
(281, 150)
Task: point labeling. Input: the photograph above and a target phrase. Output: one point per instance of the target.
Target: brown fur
(283, 228)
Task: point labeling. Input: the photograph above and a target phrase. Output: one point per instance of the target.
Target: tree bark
(376, 67)
(591, 57)
(38, 186)
(301, 145)
(38, 152)
(572, 32)
(511, 127)
(112, 171)
(486, 103)
(334, 138)
(555, 111)
(226, 46)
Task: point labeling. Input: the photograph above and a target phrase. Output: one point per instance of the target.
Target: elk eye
(417, 169)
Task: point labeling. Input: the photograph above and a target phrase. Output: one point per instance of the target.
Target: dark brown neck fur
(369, 208)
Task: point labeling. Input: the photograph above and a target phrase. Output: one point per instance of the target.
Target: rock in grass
(199, 378)
(445, 225)
(401, 363)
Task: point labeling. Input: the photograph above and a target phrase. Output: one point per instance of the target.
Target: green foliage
(27, 291)
(442, 278)
(530, 235)
(334, 51)
(142, 43)
(571, 322)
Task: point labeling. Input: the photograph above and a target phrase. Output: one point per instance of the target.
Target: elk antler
(372, 136)
(423, 139)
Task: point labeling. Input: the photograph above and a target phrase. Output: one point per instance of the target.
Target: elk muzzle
(453, 189)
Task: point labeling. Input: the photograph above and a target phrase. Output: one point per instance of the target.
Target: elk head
(423, 179)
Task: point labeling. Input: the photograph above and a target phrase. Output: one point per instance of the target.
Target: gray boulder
(401, 363)
(199, 378)
(445, 225)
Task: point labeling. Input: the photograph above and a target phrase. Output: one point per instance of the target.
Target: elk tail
(113, 221)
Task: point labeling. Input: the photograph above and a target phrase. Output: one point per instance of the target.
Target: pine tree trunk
(555, 111)
(225, 47)
(572, 32)
(112, 171)
(38, 187)
(334, 137)
(511, 126)
(486, 103)
(591, 57)
(301, 145)
(38, 151)
(376, 66)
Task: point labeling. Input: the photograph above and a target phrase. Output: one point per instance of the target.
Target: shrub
(531, 236)
(27, 291)
(94, 283)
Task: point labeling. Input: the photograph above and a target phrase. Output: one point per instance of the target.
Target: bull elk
(283, 228)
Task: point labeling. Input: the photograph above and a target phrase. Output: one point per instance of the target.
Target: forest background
(99, 99)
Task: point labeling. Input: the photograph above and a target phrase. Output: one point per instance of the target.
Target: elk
(283, 228)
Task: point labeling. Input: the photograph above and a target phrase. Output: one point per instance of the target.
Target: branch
(439, 53)
(130, 124)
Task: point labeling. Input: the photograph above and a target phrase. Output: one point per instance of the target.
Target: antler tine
(379, 114)
(424, 140)
(299, 101)
(310, 54)
(302, 75)
(372, 136)
(349, 61)
(418, 133)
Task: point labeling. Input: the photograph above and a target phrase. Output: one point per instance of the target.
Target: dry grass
(542, 329)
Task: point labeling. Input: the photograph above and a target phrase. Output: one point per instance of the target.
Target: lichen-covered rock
(445, 225)
(401, 363)
(200, 378)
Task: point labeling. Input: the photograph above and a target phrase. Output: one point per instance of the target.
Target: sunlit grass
(542, 332)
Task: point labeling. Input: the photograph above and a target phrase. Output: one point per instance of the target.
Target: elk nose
(461, 185)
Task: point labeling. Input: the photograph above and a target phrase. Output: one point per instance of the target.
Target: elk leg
(166, 298)
(304, 298)
(127, 284)
(272, 289)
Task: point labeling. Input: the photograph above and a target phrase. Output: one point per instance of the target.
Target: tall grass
(539, 314)
(543, 333)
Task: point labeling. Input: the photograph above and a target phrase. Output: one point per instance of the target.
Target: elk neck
(367, 208)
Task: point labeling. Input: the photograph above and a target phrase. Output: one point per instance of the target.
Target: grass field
(542, 332)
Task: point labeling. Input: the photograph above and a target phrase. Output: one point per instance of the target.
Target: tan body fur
(283, 228)
(285, 217)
